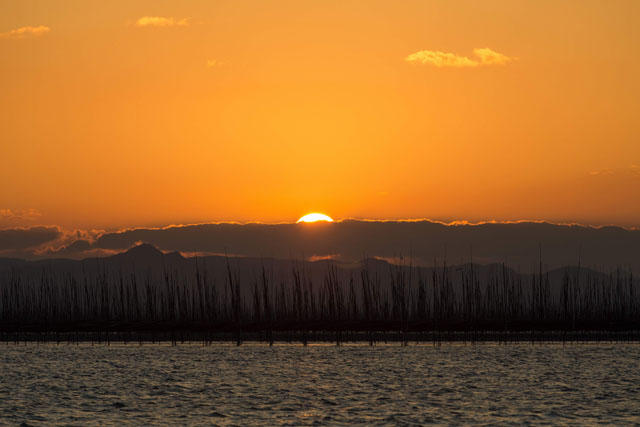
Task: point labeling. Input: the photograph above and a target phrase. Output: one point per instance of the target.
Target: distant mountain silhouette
(148, 263)
(146, 255)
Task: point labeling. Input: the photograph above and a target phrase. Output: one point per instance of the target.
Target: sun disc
(315, 217)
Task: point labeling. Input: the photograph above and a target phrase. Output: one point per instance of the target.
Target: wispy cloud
(216, 63)
(631, 171)
(25, 32)
(440, 59)
(161, 21)
(488, 56)
(28, 214)
(315, 258)
(483, 57)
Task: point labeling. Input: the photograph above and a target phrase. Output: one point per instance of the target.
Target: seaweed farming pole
(503, 303)
(234, 293)
(399, 294)
(335, 300)
(267, 305)
(367, 301)
(300, 308)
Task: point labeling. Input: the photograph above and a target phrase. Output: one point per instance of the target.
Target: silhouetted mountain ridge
(147, 263)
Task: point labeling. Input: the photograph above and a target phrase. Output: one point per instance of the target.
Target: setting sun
(314, 217)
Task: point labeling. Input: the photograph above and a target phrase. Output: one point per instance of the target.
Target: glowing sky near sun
(125, 113)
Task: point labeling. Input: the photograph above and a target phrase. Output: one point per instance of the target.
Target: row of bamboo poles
(450, 299)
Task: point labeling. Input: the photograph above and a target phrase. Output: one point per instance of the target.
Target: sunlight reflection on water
(290, 384)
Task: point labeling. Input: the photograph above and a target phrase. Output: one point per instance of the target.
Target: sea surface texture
(159, 384)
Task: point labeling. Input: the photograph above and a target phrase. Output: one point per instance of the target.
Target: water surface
(319, 385)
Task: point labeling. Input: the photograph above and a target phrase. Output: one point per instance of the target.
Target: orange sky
(123, 113)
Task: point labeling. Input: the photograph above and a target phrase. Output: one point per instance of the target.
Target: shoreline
(304, 338)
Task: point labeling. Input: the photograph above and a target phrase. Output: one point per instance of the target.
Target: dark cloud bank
(518, 244)
(19, 239)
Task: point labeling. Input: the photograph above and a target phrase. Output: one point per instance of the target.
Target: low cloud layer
(18, 239)
(25, 32)
(483, 57)
(518, 244)
(161, 21)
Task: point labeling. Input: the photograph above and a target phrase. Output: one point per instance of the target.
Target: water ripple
(320, 385)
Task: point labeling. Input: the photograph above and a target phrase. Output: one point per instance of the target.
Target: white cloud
(484, 57)
(440, 59)
(491, 57)
(25, 32)
(160, 21)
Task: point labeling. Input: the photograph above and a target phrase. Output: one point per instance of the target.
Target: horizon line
(452, 223)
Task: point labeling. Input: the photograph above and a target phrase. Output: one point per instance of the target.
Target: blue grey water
(576, 384)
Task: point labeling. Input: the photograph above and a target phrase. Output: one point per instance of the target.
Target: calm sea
(322, 385)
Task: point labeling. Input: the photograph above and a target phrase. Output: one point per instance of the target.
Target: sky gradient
(147, 113)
